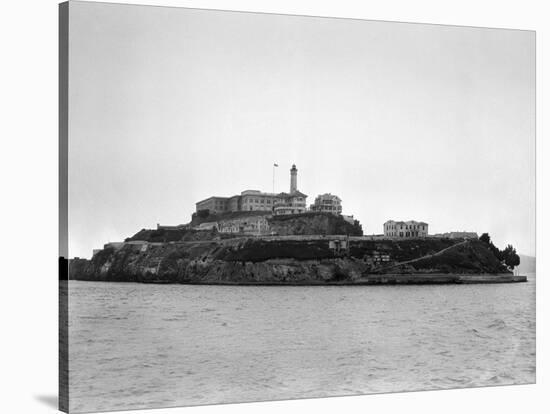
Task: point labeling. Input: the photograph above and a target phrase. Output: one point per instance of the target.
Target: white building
(327, 203)
(290, 203)
(405, 229)
(254, 200)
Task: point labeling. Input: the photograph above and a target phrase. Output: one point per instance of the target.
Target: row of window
(258, 208)
(267, 200)
(257, 201)
(403, 234)
(326, 208)
(220, 204)
(406, 227)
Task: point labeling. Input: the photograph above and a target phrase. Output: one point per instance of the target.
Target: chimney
(293, 179)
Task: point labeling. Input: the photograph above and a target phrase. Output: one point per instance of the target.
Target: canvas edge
(63, 298)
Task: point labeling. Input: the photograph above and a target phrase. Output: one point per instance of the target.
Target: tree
(203, 213)
(485, 238)
(510, 256)
(358, 228)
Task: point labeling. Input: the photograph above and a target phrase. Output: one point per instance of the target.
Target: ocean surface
(141, 346)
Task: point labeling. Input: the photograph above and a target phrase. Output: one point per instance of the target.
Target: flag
(275, 165)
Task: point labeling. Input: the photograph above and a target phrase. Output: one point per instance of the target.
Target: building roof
(328, 195)
(293, 194)
(257, 192)
(254, 193)
(210, 198)
(406, 222)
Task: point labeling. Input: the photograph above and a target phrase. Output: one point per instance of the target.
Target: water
(137, 346)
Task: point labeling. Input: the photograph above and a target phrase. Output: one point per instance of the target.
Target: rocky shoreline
(416, 279)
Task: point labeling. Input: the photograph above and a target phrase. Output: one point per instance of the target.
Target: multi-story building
(290, 203)
(253, 200)
(327, 203)
(405, 229)
(293, 202)
(214, 205)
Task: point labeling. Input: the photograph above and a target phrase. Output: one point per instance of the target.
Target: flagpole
(273, 190)
(274, 165)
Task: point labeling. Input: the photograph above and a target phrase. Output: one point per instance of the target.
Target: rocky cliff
(287, 260)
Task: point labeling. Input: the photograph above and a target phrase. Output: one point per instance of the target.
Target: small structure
(113, 245)
(458, 235)
(327, 203)
(176, 227)
(339, 246)
(376, 258)
(405, 229)
(253, 225)
(210, 225)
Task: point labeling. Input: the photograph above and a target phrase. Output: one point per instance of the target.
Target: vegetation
(508, 256)
(314, 223)
(175, 235)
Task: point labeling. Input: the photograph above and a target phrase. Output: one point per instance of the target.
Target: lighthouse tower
(293, 179)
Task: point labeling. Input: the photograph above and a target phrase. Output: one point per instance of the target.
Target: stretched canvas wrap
(261, 207)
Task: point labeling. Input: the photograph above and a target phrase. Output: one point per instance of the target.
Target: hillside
(314, 223)
(283, 260)
(296, 224)
(176, 235)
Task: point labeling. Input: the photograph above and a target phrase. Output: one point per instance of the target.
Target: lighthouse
(293, 179)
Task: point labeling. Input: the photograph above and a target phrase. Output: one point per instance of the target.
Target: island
(259, 238)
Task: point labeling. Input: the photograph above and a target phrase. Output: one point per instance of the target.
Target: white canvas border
(29, 169)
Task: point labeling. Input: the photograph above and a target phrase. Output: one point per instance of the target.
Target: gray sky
(168, 106)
